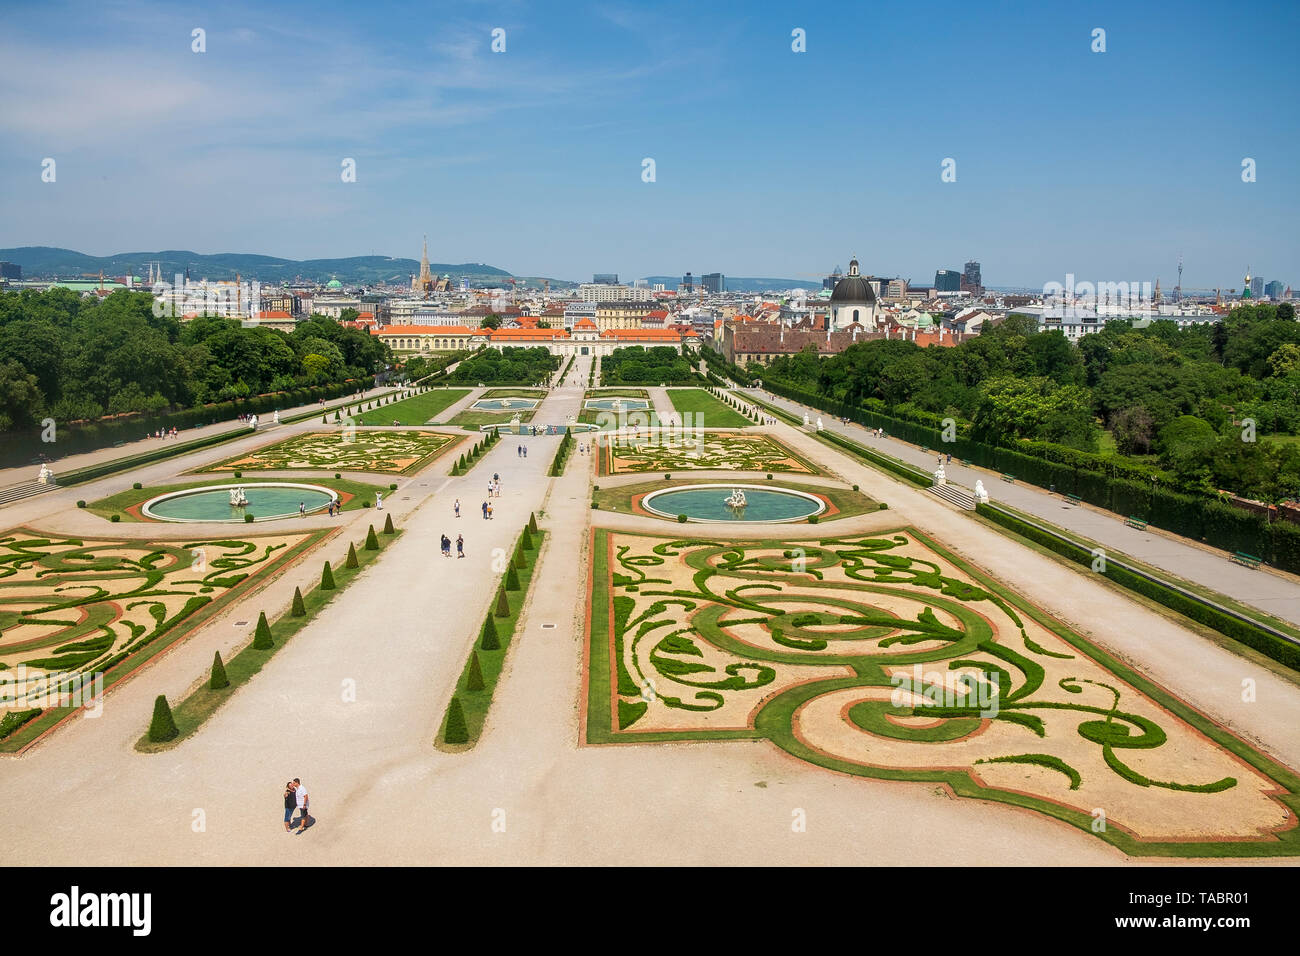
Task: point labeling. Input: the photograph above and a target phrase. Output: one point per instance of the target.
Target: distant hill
(47, 262)
(744, 283)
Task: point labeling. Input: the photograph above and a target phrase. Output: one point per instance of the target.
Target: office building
(1257, 287)
(688, 283)
(972, 278)
(713, 282)
(1274, 290)
(602, 292)
(947, 280)
(605, 278)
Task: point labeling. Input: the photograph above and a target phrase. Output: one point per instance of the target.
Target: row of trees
(76, 358)
(1180, 398)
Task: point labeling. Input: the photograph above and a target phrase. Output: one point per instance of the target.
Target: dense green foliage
(508, 366)
(657, 365)
(1176, 401)
(81, 358)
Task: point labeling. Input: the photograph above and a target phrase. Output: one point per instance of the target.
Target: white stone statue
(276, 419)
(980, 493)
(737, 499)
(940, 476)
(46, 477)
(819, 423)
(237, 498)
(252, 422)
(805, 419)
(379, 501)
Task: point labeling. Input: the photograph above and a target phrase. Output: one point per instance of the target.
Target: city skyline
(768, 162)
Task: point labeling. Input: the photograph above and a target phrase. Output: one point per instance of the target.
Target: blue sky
(768, 162)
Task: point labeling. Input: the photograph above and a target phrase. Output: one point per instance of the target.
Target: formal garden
(76, 607)
(347, 449)
(886, 656)
(669, 450)
(705, 410)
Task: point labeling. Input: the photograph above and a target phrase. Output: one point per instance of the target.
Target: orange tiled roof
(274, 315)
(584, 324)
(427, 330)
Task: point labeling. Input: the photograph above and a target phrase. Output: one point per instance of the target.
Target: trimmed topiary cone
(503, 603)
(526, 540)
(218, 679)
(372, 542)
(475, 679)
(532, 519)
(351, 562)
(298, 609)
(262, 636)
(520, 560)
(512, 579)
(327, 578)
(388, 525)
(162, 727)
(491, 641)
(456, 732)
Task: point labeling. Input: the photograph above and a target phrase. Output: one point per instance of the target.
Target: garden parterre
(885, 656)
(348, 449)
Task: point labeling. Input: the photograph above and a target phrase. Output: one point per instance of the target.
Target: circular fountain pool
(709, 503)
(505, 404)
(266, 502)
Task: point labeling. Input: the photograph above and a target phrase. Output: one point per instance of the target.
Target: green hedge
(1124, 487)
(1278, 648)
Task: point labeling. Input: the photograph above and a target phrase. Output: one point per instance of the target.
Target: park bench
(1009, 478)
(925, 449)
(1133, 521)
(967, 463)
(1244, 559)
(1074, 500)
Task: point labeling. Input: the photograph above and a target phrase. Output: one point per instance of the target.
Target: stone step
(955, 494)
(24, 490)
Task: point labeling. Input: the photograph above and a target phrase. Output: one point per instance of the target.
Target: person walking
(525, 451)
(457, 507)
(485, 510)
(290, 804)
(302, 509)
(460, 546)
(300, 796)
(489, 511)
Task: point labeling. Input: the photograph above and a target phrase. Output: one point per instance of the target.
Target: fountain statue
(46, 477)
(940, 476)
(819, 423)
(237, 498)
(515, 425)
(736, 500)
(980, 493)
(276, 418)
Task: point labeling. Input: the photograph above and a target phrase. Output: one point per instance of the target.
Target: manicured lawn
(706, 411)
(475, 417)
(416, 410)
(514, 393)
(120, 502)
(617, 393)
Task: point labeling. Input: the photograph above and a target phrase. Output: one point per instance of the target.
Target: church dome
(334, 284)
(853, 288)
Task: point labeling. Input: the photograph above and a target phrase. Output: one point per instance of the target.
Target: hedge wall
(1252, 635)
(1122, 487)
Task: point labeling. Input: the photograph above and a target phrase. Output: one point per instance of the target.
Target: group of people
(295, 798)
(521, 451)
(460, 541)
(165, 433)
(494, 486)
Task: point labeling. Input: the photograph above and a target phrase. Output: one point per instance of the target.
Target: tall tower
(1157, 292)
(424, 283)
(1178, 289)
(1245, 292)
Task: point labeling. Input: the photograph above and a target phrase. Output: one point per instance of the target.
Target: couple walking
(460, 546)
(295, 798)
